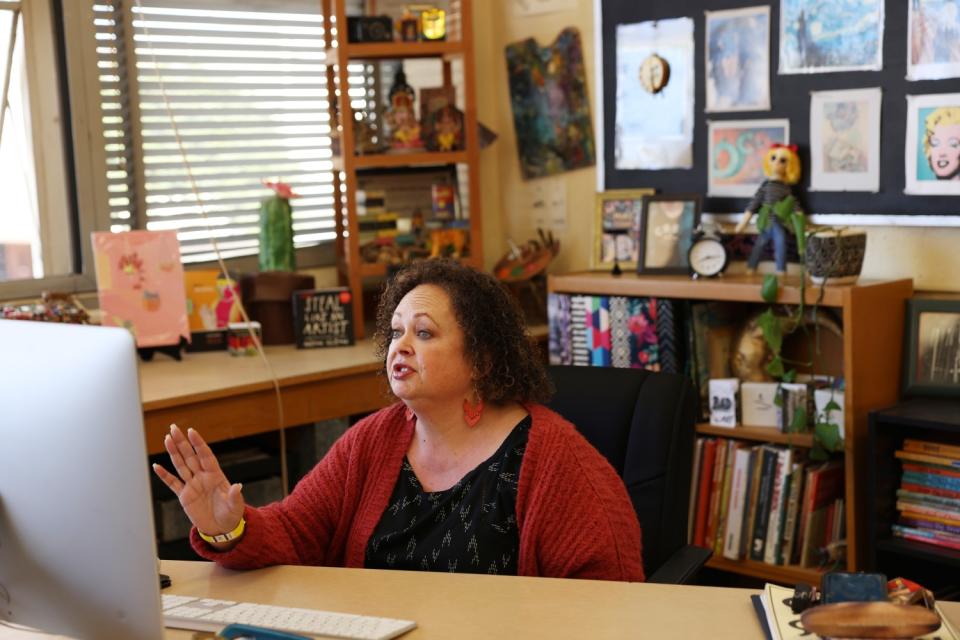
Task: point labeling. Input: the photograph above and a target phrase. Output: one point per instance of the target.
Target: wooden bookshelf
(390, 50)
(758, 434)
(872, 313)
(384, 160)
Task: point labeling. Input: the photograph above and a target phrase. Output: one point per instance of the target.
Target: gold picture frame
(616, 226)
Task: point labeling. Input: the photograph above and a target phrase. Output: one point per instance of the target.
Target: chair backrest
(643, 423)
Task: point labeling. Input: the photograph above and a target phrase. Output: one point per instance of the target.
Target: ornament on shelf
(276, 229)
(654, 73)
(443, 129)
(400, 117)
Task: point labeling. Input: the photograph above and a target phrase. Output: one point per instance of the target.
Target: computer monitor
(77, 549)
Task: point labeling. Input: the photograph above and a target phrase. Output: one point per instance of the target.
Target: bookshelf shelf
(758, 434)
(385, 160)
(871, 355)
(392, 50)
(783, 574)
(927, 552)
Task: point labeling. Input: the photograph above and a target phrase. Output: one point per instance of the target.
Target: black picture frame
(662, 249)
(931, 352)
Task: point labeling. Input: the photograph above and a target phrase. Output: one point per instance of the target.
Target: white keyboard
(205, 614)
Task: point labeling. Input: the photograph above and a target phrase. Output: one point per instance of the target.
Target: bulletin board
(789, 98)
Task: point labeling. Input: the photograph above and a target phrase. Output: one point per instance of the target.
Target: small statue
(276, 229)
(400, 116)
(776, 205)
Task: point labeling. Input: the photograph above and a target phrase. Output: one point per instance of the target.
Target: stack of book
(764, 503)
(929, 496)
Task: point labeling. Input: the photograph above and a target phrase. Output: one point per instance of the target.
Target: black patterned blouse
(469, 528)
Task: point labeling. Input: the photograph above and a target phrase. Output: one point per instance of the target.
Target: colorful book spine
(764, 500)
(619, 332)
(793, 510)
(579, 336)
(931, 448)
(558, 315)
(930, 537)
(932, 491)
(932, 480)
(694, 486)
(738, 493)
(599, 322)
(917, 522)
(732, 446)
(716, 487)
(703, 494)
(778, 503)
(952, 463)
(937, 511)
(930, 500)
(926, 468)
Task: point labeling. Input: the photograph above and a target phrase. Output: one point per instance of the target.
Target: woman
(466, 473)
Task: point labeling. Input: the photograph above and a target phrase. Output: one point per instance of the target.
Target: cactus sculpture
(276, 229)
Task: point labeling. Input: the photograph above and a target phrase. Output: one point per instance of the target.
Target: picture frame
(932, 157)
(845, 140)
(930, 22)
(617, 226)
(666, 233)
(737, 60)
(735, 152)
(932, 348)
(842, 35)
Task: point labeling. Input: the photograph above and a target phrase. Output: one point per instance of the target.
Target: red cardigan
(573, 512)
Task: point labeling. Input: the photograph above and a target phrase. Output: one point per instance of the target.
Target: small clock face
(707, 257)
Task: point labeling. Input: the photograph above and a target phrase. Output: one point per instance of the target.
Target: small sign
(323, 317)
(723, 401)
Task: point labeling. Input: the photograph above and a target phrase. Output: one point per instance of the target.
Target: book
(764, 497)
(919, 515)
(926, 468)
(825, 484)
(703, 493)
(922, 498)
(791, 519)
(323, 317)
(738, 489)
(716, 486)
(753, 490)
(909, 520)
(932, 480)
(937, 511)
(933, 491)
(694, 486)
(778, 504)
(953, 463)
(931, 448)
(925, 535)
(732, 446)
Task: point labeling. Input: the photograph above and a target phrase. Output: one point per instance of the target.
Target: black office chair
(643, 423)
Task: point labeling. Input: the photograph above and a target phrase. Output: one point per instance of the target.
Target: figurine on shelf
(777, 207)
(408, 26)
(400, 116)
(444, 129)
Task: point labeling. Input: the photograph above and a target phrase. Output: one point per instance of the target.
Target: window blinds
(246, 84)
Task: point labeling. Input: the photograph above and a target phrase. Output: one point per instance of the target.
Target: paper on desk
(785, 624)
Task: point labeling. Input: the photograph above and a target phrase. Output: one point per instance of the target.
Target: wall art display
(818, 36)
(617, 227)
(666, 233)
(845, 140)
(551, 110)
(933, 40)
(140, 285)
(654, 130)
(738, 60)
(933, 144)
(735, 151)
(932, 349)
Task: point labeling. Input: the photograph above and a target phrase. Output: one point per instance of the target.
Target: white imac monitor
(77, 548)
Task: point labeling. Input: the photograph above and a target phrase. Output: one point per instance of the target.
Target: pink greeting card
(140, 285)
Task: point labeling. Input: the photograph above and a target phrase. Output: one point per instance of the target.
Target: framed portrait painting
(738, 60)
(735, 151)
(933, 144)
(845, 140)
(617, 227)
(932, 27)
(819, 36)
(932, 349)
(666, 233)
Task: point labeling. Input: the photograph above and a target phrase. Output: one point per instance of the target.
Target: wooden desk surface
(466, 606)
(226, 396)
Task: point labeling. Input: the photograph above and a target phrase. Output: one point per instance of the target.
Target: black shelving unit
(933, 419)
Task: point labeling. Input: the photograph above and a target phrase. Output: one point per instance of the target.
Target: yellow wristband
(225, 537)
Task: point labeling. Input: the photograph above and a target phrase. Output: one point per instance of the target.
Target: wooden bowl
(870, 620)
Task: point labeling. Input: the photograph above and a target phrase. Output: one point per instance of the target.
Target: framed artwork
(551, 110)
(433, 99)
(617, 227)
(932, 349)
(845, 140)
(735, 151)
(666, 233)
(932, 51)
(738, 60)
(654, 130)
(933, 144)
(819, 36)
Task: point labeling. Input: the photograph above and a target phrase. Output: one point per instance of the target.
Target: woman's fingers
(186, 449)
(235, 498)
(178, 462)
(172, 481)
(208, 461)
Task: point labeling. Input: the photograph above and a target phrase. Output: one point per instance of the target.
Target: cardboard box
(758, 404)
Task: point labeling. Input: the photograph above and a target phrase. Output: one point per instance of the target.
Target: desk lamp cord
(223, 268)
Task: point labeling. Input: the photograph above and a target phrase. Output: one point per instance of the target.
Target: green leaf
(775, 367)
(831, 406)
(769, 323)
(828, 435)
(799, 422)
(784, 208)
(799, 223)
(763, 218)
(790, 375)
(770, 288)
(818, 453)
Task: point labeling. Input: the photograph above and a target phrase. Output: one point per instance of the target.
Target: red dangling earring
(472, 412)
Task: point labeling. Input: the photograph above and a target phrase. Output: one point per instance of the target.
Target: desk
(225, 397)
(465, 606)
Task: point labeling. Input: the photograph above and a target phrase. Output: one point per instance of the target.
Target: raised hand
(213, 505)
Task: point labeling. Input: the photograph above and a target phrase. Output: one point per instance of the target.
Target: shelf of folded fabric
(758, 434)
(782, 574)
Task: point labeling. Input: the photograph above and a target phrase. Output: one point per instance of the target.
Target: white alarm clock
(707, 256)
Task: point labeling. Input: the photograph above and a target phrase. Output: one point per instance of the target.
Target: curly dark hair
(506, 362)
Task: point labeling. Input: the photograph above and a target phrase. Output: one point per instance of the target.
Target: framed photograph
(932, 349)
(845, 140)
(738, 60)
(932, 24)
(654, 130)
(839, 35)
(735, 151)
(933, 144)
(617, 227)
(666, 233)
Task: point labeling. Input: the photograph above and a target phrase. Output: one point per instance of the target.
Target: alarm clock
(707, 255)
